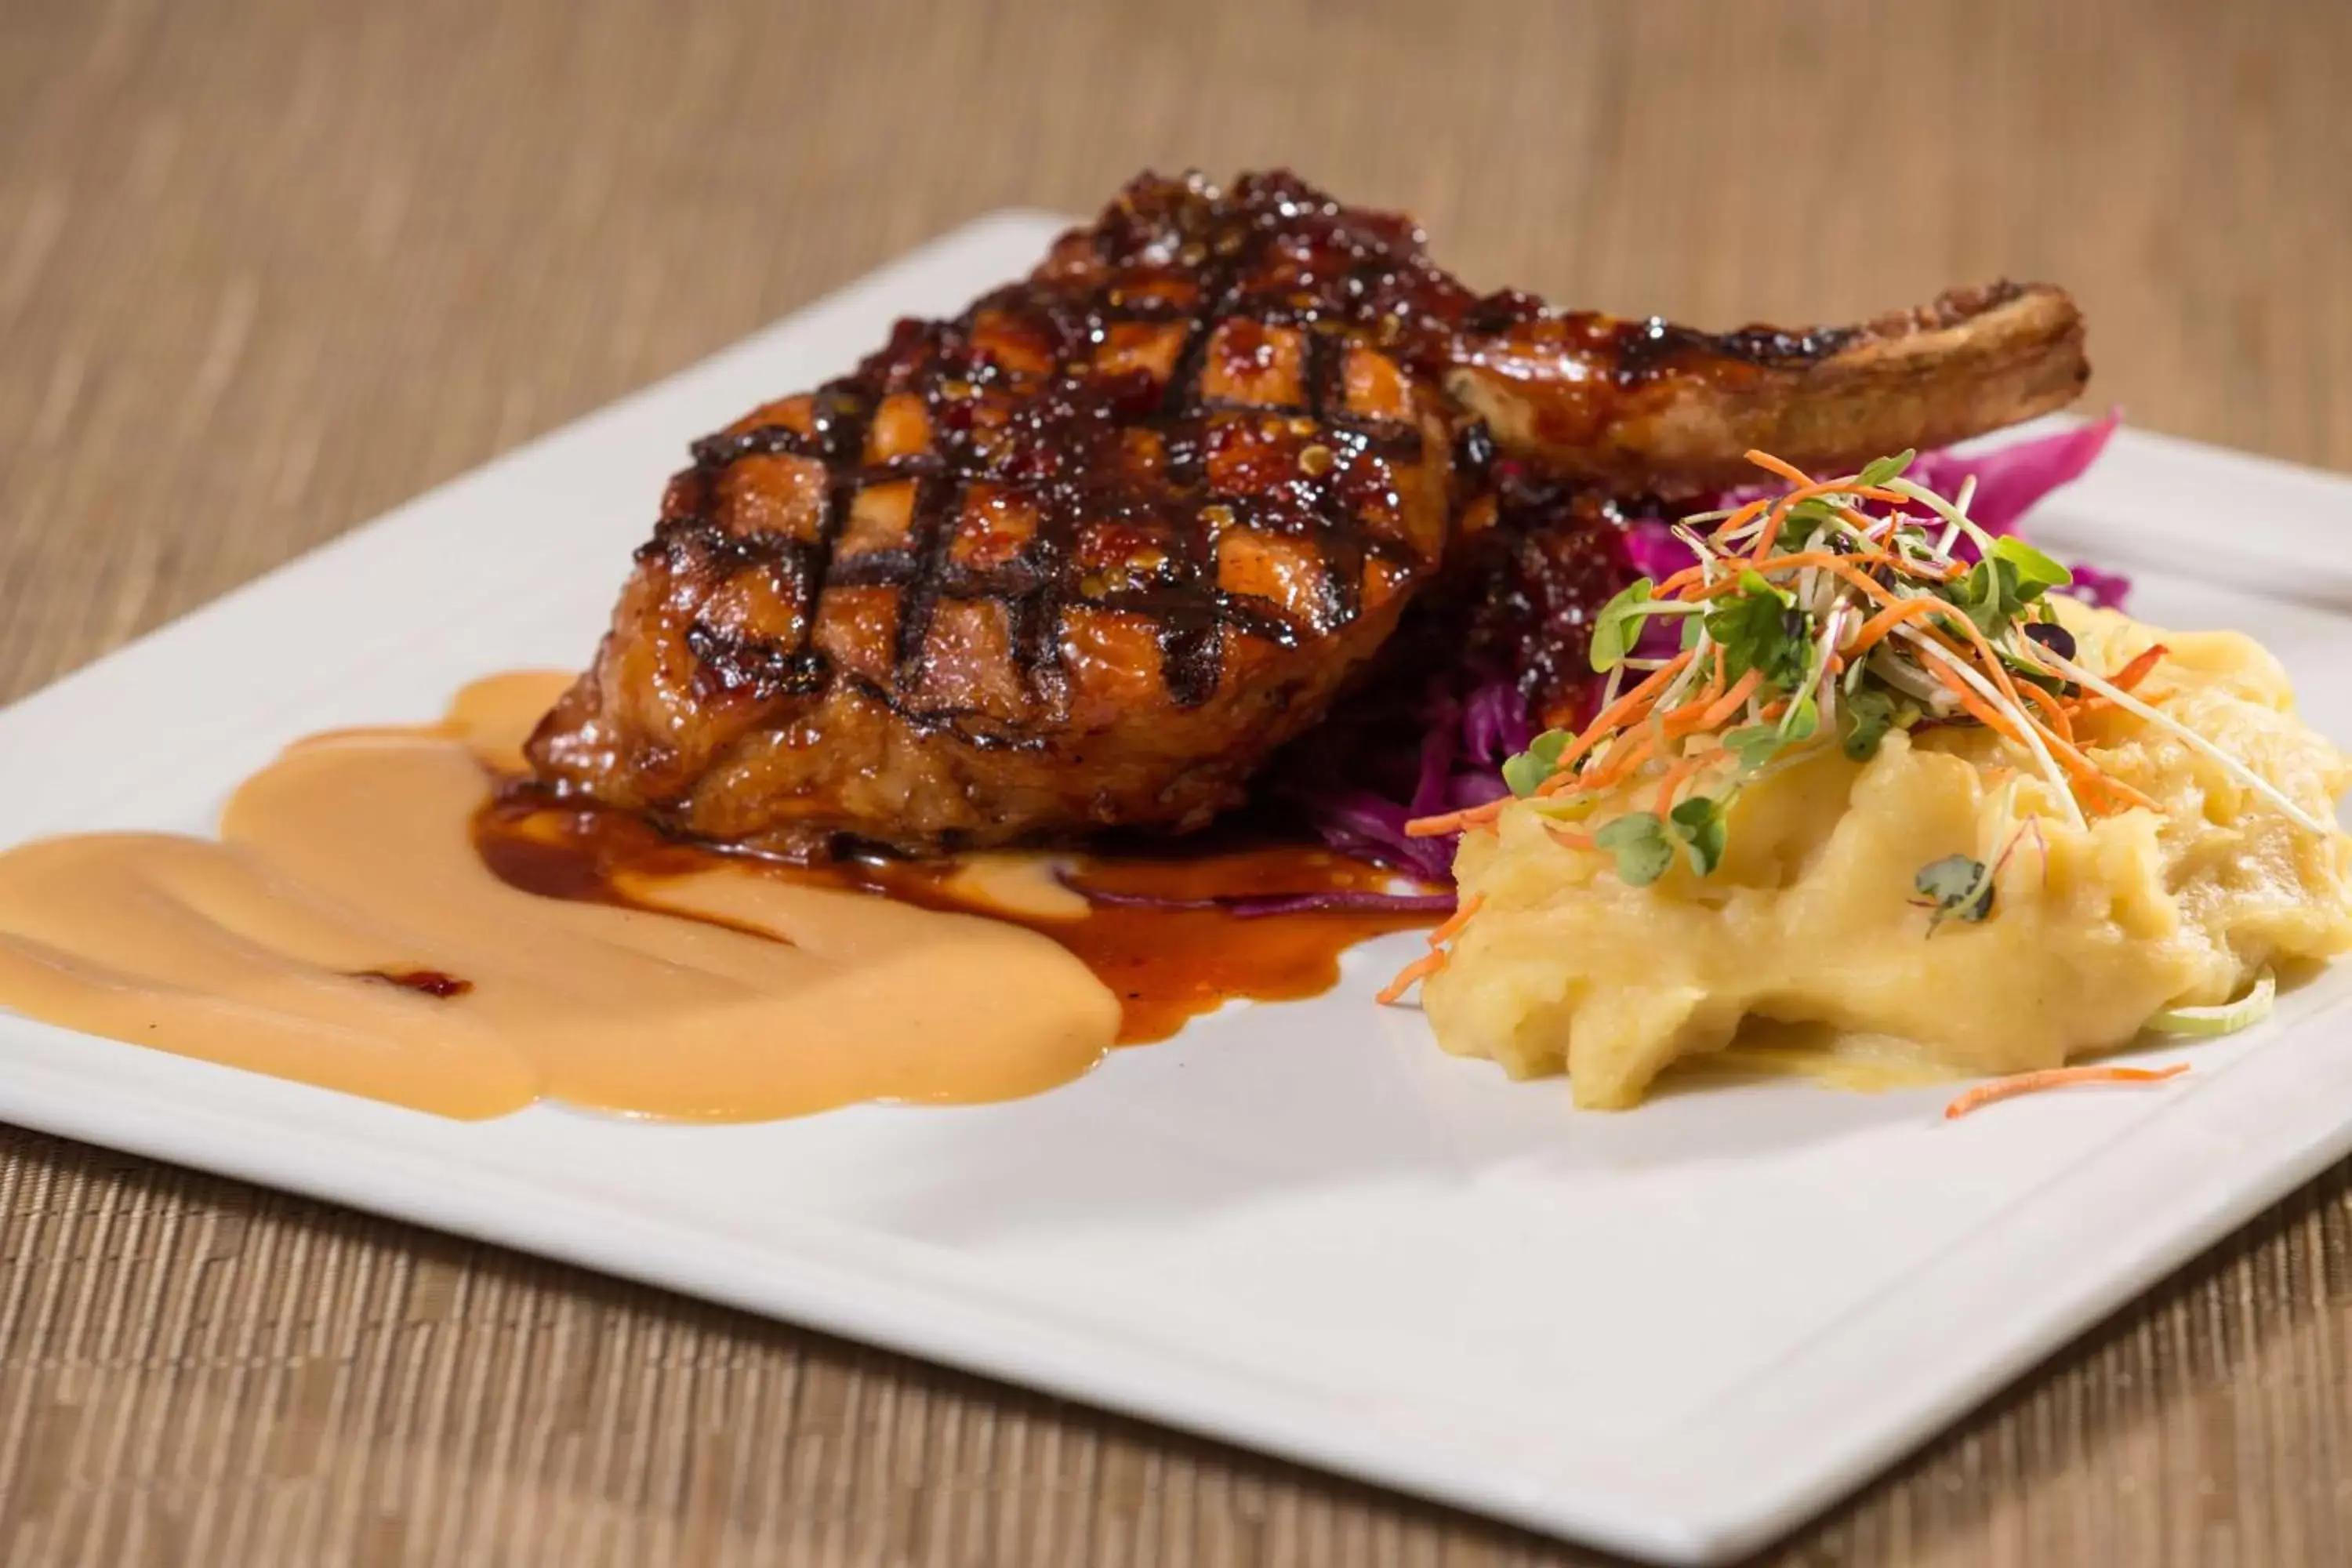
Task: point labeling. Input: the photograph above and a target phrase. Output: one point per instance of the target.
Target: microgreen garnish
(1805, 518)
(1638, 840)
(1992, 595)
(1753, 745)
(1957, 887)
(1759, 628)
(1527, 770)
(1879, 470)
(1699, 823)
(1870, 713)
(1619, 624)
(1841, 611)
(1644, 843)
(2035, 570)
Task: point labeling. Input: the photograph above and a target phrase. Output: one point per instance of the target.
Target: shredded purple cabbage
(2010, 482)
(1494, 724)
(1656, 554)
(2012, 479)
(1368, 827)
(2100, 589)
(1465, 739)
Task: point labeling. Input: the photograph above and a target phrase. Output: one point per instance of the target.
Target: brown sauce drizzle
(1166, 966)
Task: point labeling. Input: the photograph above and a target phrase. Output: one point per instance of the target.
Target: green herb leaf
(2035, 571)
(1801, 721)
(1998, 588)
(1881, 470)
(1699, 823)
(1960, 887)
(1753, 745)
(1990, 595)
(1638, 840)
(1761, 628)
(1527, 772)
(1619, 624)
(1870, 713)
(1803, 520)
(1692, 631)
(1757, 744)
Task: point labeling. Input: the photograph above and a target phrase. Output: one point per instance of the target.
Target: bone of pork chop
(1631, 406)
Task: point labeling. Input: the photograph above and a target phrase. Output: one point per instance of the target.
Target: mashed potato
(1812, 917)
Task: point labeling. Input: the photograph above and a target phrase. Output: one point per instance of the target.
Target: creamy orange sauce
(349, 862)
(374, 917)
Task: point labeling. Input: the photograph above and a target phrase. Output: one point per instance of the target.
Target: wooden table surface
(267, 268)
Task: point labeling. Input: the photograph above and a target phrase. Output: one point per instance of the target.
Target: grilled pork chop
(1086, 554)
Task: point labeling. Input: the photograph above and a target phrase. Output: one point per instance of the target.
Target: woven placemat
(267, 268)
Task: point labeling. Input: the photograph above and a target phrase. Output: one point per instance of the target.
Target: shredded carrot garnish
(1876, 629)
(1844, 565)
(1770, 534)
(1455, 821)
(1569, 838)
(1619, 761)
(1437, 957)
(1627, 709)
(2127, 678)
(1457, 919)
(1773, 465)
(1744, 516)
(2063, 752)
(1977, 708)
(1674, 781)
(1420, 968)
(1730, 702)
(2104, 786)
(1840, 564)
(2058, 723)
(2132, 674)
(2000, 1088)
(1999, 670)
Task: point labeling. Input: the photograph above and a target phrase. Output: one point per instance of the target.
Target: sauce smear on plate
(377, 916)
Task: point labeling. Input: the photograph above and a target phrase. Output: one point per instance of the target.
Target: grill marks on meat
(1082, 556)
(1086, 554)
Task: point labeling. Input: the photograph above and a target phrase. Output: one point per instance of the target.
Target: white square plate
(1673, 1332)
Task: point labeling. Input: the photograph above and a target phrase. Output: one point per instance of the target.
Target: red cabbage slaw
(1465, 740)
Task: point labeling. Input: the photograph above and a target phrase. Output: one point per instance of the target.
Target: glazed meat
(1082, 556)
(1086, 554)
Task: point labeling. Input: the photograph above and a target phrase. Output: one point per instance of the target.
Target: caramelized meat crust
(1081, 556)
